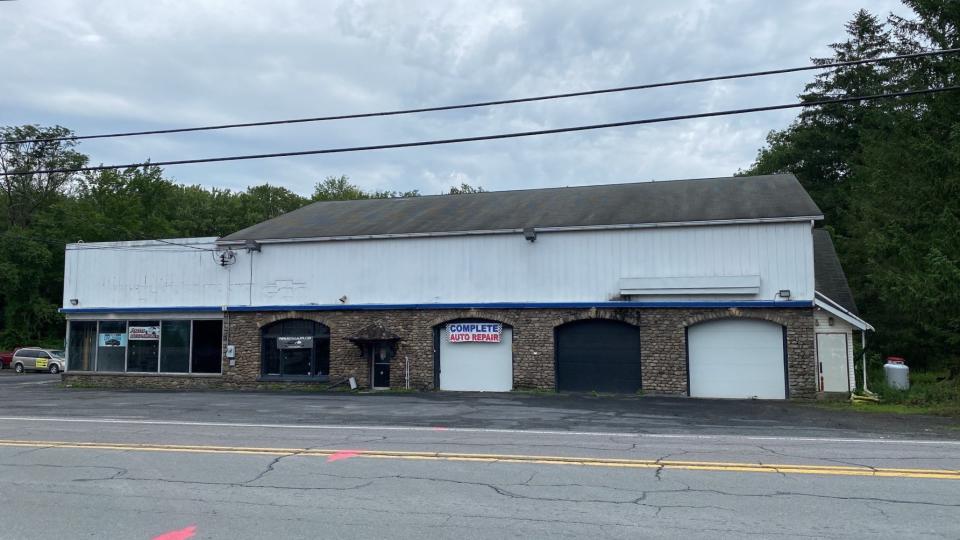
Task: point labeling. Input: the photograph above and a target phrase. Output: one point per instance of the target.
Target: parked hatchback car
(36, 359)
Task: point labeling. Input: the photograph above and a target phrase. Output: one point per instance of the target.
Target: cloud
(109, 65)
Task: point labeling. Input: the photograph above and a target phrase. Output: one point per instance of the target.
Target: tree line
(41, 213)
(886, 174)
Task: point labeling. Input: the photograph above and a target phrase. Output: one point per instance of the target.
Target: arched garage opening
(598, 355)
(737, 358)
(295, 348)
(473, 355)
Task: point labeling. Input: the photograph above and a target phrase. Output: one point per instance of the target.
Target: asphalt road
(101, 464)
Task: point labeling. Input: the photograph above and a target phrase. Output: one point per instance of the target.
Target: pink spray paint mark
(343, 454)
(182, 534)
(439, 428)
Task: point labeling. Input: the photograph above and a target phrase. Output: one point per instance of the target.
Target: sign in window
(302, 342)
(112, 339)
(144, 333)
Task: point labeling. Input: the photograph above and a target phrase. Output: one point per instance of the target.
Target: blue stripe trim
(530, 305)
(479, 305)
(175, 309)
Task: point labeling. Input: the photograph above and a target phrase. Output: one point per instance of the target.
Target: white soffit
(828, 305)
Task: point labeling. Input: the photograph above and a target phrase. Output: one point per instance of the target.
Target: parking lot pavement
(511, 411)
(10, 377)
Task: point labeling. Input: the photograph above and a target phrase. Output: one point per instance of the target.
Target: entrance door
(381, 354)
(832, 355)
(597, 354)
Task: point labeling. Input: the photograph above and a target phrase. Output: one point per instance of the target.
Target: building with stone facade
(709, 288)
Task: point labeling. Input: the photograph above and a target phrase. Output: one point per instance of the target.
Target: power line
(185, 245)
(81, 246)
(142, 247)
(133, 249)
(497, 136)
(492, 103)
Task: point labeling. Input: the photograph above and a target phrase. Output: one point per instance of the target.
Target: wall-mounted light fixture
(784, 293)
(830, 321)
(74, 301)
(252, 245)
(530, 234)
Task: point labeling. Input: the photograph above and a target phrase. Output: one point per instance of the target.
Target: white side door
(737, 358)
(486, 367)
(832, 356)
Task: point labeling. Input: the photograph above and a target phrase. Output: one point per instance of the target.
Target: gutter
(626, 226)
(762, 304)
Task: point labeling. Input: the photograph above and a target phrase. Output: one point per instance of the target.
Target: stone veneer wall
(663, 346)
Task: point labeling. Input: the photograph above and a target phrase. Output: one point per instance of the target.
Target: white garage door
(476, 366)
(736, 358)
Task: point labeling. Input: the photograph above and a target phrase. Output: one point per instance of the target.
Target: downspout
(250, 287)
(863, 356)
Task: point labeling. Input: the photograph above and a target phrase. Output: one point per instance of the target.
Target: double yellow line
(835, 470)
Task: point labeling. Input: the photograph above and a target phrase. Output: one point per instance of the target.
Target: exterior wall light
(74, 301)
(530, 234)
(784, 293)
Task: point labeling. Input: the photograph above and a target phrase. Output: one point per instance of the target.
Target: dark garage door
(598, 355)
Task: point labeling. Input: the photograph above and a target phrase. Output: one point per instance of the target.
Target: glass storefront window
(207, 346)
(111, 345)
(146, 346)
(175, 347)
(143, 342)
(83, 345)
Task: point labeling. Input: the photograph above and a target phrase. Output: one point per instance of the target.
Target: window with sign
(295, 348)
(146, 346)
(143, 341)
(112, 346)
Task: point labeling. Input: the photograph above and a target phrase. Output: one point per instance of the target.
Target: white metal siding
(559, 267)
(152, 274)
(736, 358)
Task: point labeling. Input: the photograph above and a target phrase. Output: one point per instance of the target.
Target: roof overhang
(825, 303)
(241, 242)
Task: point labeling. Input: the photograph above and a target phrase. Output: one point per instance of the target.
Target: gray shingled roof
(750, 197)
(829, 278)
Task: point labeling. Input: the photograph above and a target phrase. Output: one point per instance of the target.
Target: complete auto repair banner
(474, 332)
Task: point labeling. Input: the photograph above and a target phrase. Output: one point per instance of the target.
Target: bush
(930, 390)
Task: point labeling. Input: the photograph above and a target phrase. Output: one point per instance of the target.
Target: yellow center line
(840, 470)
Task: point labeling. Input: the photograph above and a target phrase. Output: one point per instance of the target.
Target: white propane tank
(896, 373)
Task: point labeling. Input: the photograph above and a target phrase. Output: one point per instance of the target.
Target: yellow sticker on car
(41, 362)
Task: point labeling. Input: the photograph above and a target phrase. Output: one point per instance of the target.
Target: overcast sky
(106, 65)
